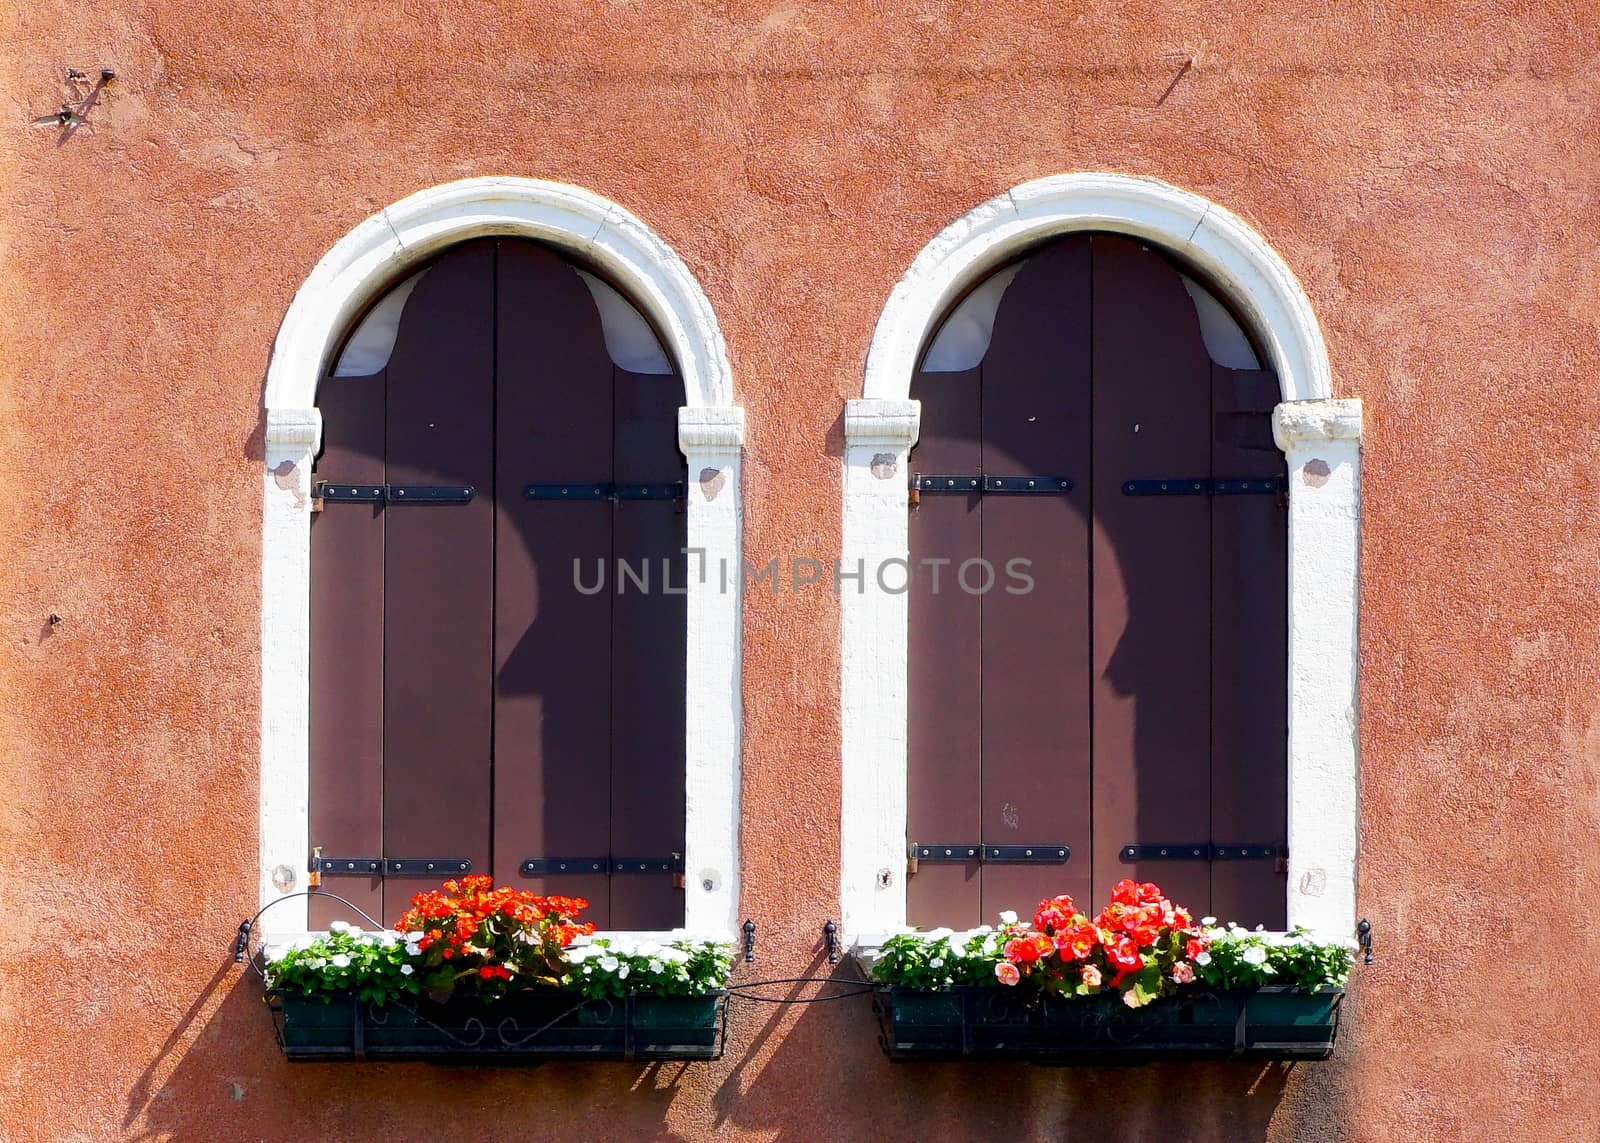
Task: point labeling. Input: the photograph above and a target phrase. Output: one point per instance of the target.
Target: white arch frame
(1320, 436)
(359, 267)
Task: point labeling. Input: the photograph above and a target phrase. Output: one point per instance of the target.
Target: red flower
(1006, 973)
(1194, 946)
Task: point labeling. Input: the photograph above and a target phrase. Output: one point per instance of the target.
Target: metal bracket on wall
(1202, 486)
(988, 854)
(982, 485)
(1198, 851)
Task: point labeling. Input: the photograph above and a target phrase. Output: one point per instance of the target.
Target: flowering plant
(495, 939)
(1140, 946)
(472, 936)
(375, 966)
(610, 966)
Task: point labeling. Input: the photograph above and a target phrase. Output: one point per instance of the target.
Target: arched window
(513, 374)
(497, 594)
(1197, 689)
(1096, 684)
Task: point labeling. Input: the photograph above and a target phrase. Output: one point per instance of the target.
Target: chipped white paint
(359, 267)
(1323, 524)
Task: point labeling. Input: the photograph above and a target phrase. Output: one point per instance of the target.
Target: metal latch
(1199, 851)
(331, 492)
(987, 854)
(984, 485)
(388, 867)
(1202, 486)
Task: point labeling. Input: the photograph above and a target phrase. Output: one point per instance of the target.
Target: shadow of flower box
(1001, 1023)
(518, 1029)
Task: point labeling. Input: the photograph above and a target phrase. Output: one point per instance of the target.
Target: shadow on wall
(815, 1071)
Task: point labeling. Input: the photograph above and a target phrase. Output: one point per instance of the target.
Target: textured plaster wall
(1429, 172)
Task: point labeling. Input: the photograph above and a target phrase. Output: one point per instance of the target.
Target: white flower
(657, 967)
(984, 929)
(936, 962)
(958, 947)
(316, 962)
(415, 936)
(581, 953)
(341, 960)
(338, 926)
(940, 934)
(1261, 928)
(413, 948)
(1255, 954)
(1130, 998)
(1203, 958)
(301, 944)
(406, 970)
(609, 963)
(649, 948)
(622, 973)
(676, 956)
(1009, 917)
(1208, 921)
(275, 953)
(388, 940)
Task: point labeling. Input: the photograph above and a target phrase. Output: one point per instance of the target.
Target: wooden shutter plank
(346, 760)
(943, 700)
(552, 645)
(648, 654)
(439, 572)
(1035, 657)
(1151, 567)
(1249, 649)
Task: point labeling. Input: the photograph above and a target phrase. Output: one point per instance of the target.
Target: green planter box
(525, 1028)
(1003, 1023)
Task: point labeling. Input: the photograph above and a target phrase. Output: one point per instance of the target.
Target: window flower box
(996, 1022)
(1142, 980)
(484, 975)
(517, 1028)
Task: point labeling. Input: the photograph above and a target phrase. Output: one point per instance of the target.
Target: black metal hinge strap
(340, 493)
(425, 866)
(605, 491)
(1009, 485)
(554, 866)
(992, 854)
(1202, 486)
(1198, 851)
(394, 866)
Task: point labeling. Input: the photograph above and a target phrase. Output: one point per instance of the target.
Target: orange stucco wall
(1429, 172)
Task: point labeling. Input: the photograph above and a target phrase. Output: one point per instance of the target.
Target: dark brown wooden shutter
(552, 643)
(470, 701)
(346, 740)
(1152, 572)
(1141, 684)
